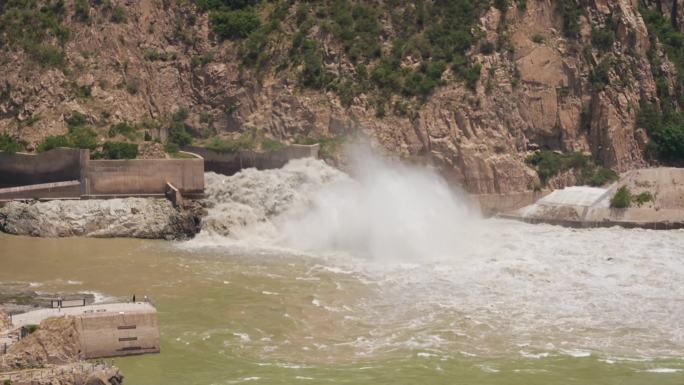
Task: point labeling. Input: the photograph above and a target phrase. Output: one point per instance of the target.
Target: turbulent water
(309, 275)
(486, 286)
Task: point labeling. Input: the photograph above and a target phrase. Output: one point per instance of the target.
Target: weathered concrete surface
(57, 165)
(54, 190)
(665, 211)
(229, 164)
(492, 204)
(54, 175)
(143, 176)
(130, 217)
(106, 330)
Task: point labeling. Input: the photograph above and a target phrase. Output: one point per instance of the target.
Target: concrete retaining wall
(65, 173)
(143, 177)
(57, 165)
(54, 190)
(229, 164)
(110, 335)
(492, 204)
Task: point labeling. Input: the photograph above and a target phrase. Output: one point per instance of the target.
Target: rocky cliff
(539, 74)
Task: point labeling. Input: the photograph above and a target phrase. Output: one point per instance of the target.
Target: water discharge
(387, 211)
(309, 275)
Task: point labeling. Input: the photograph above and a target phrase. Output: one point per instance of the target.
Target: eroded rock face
(130, 217)
(56, 341)
(535, 94)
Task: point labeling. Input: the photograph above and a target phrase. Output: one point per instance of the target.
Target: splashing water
(389, 210)
(430, 274)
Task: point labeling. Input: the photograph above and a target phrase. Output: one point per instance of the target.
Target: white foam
(662, 370)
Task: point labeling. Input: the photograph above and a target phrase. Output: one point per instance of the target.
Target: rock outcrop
(56, 341)
(51, 355)
(129, 217)
(538, 91)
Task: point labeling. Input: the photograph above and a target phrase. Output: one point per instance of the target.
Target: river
(383, 279)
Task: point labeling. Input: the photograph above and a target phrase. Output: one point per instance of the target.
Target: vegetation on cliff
(549, 164)
(665, 121)
(396, 48)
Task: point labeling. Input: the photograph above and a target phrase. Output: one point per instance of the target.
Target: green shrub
(9, 144)
(570, 11)
(51, 142)
(232, 24)
(202, 60)
(46, 54)
(181, 115)
(601, 176)
(76, 119)
(32, 26)
(670, 141)
(132, 86)
(82, 10)
(154, 55)
(538, 38)
(82, 92)
(229, 146)
(268, 144)
(171, 148)
(31, 328)
(118, 14)
(472, 75)
(665, 130)
(602, 39)
(599, 75)
(643, 198)
(83, 137)
(206, 5)
(123, 128)
(178, 134)
(549, 164)
(622, 198)
(120, 150)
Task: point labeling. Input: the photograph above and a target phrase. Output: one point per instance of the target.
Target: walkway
(36, 316)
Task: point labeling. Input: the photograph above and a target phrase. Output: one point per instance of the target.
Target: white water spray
(388, 210)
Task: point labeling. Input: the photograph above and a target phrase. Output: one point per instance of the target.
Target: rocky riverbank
(51, 356)
(126, 217)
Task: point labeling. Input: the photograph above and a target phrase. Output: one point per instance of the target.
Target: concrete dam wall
(64, 173)
(57, 165)
(231, 163)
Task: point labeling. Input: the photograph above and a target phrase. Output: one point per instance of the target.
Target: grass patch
(10, 145)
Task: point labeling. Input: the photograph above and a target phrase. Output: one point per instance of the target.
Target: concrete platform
(585, 207)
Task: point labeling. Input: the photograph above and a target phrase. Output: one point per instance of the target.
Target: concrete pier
(107, 330)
